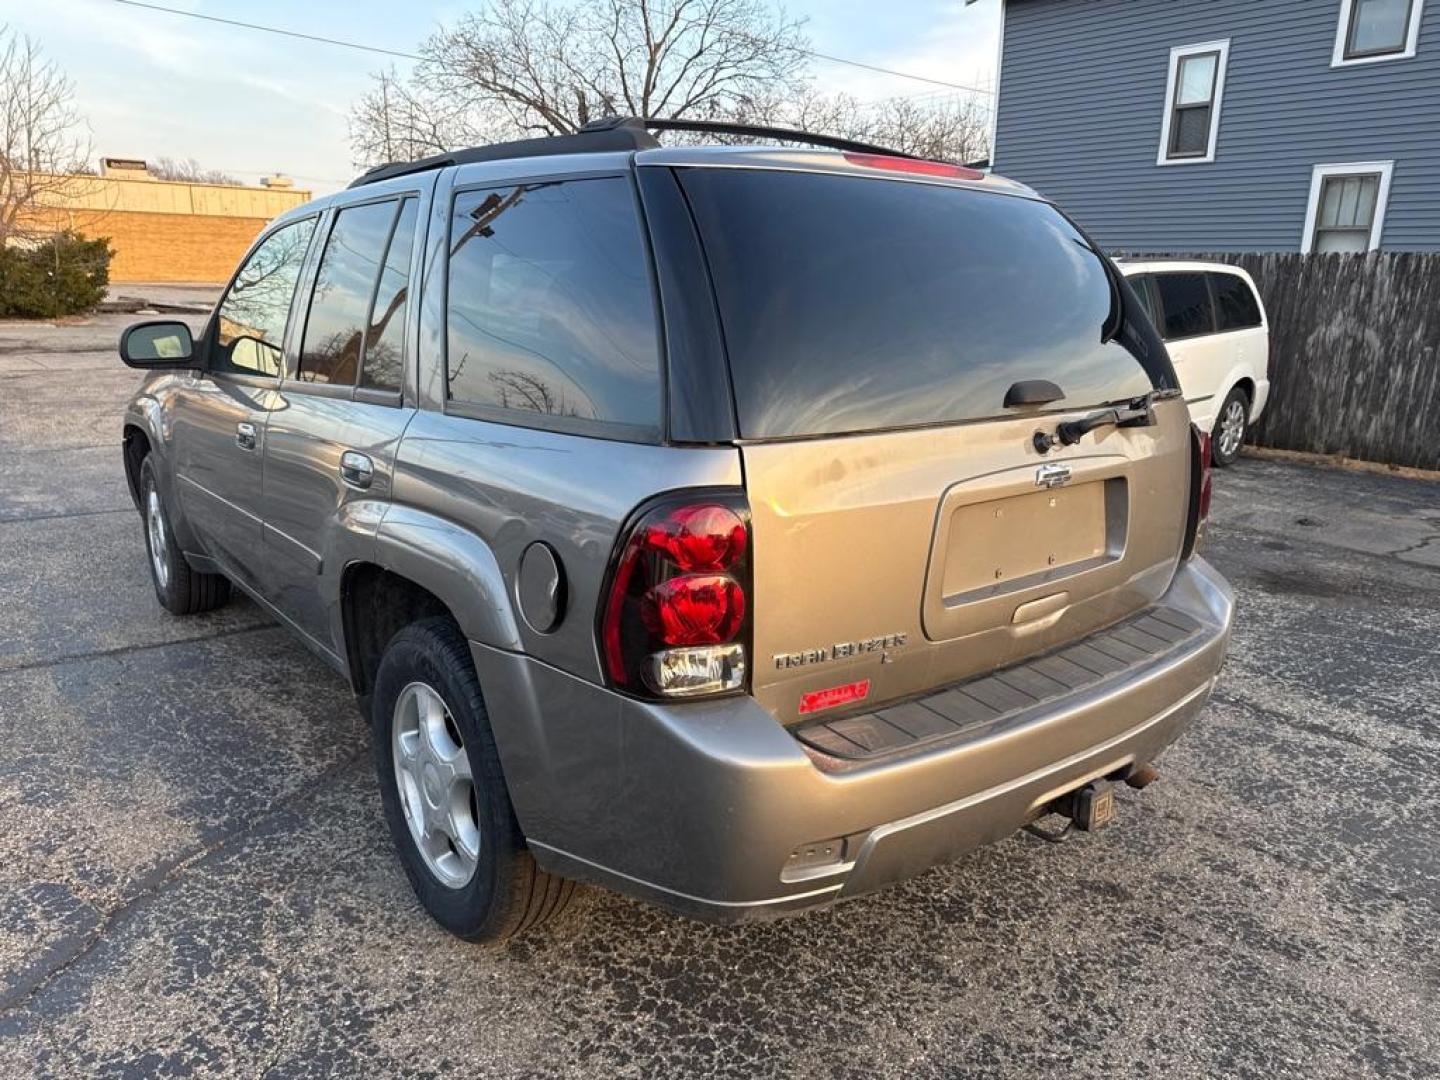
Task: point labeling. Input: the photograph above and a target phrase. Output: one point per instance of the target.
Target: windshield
(855, 304)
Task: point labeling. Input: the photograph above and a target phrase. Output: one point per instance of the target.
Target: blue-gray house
(1227, 125)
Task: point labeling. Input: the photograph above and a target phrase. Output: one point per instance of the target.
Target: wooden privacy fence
(1355, 354)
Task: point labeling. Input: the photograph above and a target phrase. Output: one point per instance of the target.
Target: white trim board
(1347, 168)
(1342, 31)
(1177, 54)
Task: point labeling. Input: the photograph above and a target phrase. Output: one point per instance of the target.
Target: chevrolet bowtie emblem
(1052, 476)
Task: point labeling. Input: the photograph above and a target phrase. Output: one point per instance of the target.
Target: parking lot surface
(195, 878)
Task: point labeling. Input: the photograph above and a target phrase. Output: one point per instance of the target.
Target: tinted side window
(549, 305)
(384, 340)
(1186, 300)
(250, 336)
(335, 328)
(1235, 305)
(1141, 284)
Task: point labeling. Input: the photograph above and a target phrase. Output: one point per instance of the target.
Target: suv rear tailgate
(908, 531)
(912, 559)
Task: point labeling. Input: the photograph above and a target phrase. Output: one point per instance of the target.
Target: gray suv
(741, 528)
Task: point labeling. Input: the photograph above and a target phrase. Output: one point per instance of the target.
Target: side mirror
(158, 344)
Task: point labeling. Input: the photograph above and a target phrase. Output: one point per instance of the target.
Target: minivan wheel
(444, 791)
(180, 590)
(1230, 427)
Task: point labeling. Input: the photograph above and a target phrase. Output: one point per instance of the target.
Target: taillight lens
(694, 609)
(919, 166)
(675, 618)
(704, 537)
(1200, 489)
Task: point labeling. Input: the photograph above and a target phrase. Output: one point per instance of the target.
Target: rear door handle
(356, 469)
(245, 435)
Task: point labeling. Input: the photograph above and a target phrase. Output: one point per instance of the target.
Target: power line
(358, 46)
(899, 74)
(270, 30)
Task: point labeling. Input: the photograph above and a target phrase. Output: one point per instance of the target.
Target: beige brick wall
(176, 247)
(162, 231)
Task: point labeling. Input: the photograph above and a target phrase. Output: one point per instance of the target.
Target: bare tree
(190, 171)
(43, 140)
(400, 121)
(950, 127)
(542, 67)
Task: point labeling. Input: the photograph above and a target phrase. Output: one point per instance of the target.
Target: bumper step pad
(966, 707)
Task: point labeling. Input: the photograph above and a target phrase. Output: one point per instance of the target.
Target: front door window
(251, 333)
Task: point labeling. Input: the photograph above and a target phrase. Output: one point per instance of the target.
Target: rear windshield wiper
(1137, 412)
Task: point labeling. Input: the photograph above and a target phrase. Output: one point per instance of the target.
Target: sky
(155, 85)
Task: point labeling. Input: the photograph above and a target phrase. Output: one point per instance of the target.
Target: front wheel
(1230, 428)
(180, 589)
(444, 792)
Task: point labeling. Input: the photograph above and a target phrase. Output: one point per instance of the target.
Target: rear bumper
(699, 807)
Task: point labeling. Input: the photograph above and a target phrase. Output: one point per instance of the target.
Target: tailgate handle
(1032, 392)
(1046, 607)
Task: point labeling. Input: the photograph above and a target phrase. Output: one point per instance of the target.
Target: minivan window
(384, 340)
(549, 304)
(1141, 284)
(855, 304)
(1186, 301)
(335, 328)
(1235, 305)
(250, 332)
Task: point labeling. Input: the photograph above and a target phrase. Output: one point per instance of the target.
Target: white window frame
(1321, 173)
(1342, 35)
(1222, 61)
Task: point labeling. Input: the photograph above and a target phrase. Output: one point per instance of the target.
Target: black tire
(507, 893)
(180, 589)
(1237, 399)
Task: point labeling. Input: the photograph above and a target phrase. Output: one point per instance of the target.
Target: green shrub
(64, 274)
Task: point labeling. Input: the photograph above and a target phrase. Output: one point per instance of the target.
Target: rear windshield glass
(853, 304)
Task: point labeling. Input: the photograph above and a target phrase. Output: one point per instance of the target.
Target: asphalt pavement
(195, 878)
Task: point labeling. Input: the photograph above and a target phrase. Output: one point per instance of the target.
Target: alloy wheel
(436, 786)
(155, 527)
(1232, 428)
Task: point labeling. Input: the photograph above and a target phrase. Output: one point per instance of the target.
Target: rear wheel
(444, 792)
(180, 590)
(1230, 427)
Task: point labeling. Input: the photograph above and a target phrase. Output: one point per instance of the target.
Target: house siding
(1082, 100)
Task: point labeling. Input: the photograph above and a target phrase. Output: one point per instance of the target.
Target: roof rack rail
(612, 133)
(584, 142)
(726, 127)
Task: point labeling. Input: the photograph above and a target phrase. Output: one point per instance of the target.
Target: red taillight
(1200, 487)
(1206, 472)
(705, 537)
(914, 165)
(674, 619)
(694, 609)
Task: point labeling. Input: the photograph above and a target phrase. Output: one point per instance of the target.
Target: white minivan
(1214, 326)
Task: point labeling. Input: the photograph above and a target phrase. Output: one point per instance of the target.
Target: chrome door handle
(356, 469)
(245, 435)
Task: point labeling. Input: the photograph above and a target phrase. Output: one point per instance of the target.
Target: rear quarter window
(1236, 307)
(550, 310)
(854, 304)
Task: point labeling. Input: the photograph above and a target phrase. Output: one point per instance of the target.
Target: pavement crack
(125, 650)
(1413, 547)
(161, 879)
(62, 517)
